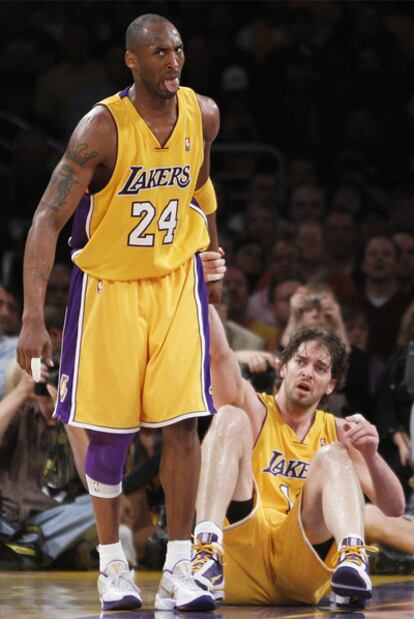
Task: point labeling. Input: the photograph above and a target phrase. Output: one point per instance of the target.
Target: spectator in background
(45, 510)
(348, 196)
(238, 337)
(264, 189)
(381, 300)
(372, 221)
(301, 170)
(356, 325)
(341, 267)
(394, 401)
(13, 320)
(261, 227)
(236, 284)
(248, 257)
(404, 242)
(280, 293)
(309, 239)
(8, 343)
(340, 239)
(57, 290)
(306, 202)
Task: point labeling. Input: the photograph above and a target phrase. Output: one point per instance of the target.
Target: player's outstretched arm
(377, 479)
(90, 145)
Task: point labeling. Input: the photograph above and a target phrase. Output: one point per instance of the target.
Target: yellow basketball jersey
(144, 223)
(281, 461)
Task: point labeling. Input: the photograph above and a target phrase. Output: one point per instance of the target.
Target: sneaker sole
(350, 585)
(202, 603)
(129, 602)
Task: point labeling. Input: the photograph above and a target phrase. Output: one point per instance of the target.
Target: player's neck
(299, 419)
(150, 105)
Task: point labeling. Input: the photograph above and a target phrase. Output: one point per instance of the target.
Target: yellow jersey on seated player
(281, 461)
(144, 223)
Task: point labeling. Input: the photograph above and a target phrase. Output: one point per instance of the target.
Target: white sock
(208, 527)
(110, 552)
(177, 550)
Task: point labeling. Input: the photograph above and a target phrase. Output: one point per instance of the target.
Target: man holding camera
(41, 467)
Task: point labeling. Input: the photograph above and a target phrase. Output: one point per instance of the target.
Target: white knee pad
(101, 490)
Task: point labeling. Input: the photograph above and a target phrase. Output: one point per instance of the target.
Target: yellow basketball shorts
(272, 562)
(135, 353)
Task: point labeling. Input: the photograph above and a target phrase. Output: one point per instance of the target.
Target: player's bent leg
(394, 532)
(333, 505)
(180, 466)
(104, 469)
(226, 475)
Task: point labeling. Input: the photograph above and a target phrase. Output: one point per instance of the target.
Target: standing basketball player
(135, 348)
(279, 475)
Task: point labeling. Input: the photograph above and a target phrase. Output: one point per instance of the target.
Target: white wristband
(214, 277)
(35, 366)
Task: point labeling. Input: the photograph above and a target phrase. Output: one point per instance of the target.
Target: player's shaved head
(139, 31)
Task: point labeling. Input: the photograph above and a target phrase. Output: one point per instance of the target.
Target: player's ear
(282, 370)
(131, 60)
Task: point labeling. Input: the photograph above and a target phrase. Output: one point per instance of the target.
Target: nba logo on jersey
(187, 144)
(99, 287)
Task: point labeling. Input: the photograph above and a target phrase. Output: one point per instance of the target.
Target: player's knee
(332, 454)
(231, 421)
(105, 460)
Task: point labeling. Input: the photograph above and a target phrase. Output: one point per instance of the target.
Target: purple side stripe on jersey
(68, 355)
(79, 237)
(205, 333)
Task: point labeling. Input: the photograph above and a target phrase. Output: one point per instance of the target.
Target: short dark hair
(323, 337)
(136, 30)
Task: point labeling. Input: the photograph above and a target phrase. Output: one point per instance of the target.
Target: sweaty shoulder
(94, 138)
(211, 117)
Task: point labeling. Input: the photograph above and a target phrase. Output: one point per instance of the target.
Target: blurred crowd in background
(313, 167)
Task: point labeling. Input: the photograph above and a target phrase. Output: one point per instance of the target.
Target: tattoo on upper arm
(79, 153)
(63, 180)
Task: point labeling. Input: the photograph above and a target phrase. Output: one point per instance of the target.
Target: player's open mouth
(305, 387)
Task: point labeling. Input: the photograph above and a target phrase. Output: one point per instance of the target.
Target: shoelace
(356, 553)
(203, 553)
(123, 576)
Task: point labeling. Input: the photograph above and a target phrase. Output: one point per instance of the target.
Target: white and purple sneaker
(350, 579)
(177, 589)
(207, 564)
(117, 589)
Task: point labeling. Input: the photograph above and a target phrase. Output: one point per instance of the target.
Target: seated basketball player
(280, 489)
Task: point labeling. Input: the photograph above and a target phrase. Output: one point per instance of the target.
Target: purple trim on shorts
(205, 333)
(79, 237)
(124, 93)
(68, 354)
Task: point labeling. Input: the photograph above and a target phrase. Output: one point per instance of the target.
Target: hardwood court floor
(72, 595)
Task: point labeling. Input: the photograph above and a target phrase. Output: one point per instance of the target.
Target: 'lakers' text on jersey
(145, 222)
(281, 461)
